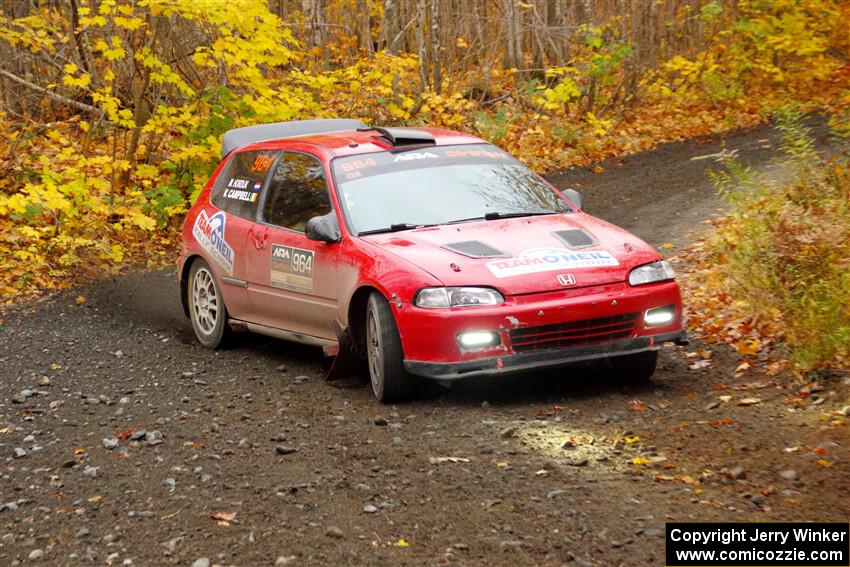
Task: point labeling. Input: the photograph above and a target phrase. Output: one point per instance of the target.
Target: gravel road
(123, 442)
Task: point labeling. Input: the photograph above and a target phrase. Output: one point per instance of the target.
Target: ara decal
(292, 268)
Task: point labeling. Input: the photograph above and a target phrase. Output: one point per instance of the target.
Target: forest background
(112, 113)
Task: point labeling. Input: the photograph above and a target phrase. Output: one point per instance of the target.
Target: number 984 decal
(291, 268)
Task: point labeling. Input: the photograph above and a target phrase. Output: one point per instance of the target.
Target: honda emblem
(566, 279)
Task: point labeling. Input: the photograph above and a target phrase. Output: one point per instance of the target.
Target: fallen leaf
(749, 401)
(753, 385)
(631, 440)
(640, 461)
(820, 450)
(824, 463)
(699, 364)
(667, 245)
(637, 405)
(95, 499)
(688, 479)
(125, 434)
(598, 169)
(438, 460)
(223, 518)
(80, 299)
(401, 543)
(725, 399)
(749, 347)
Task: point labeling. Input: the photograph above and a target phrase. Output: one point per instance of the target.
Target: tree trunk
(390, 26)
(420, 45)
(434, 36)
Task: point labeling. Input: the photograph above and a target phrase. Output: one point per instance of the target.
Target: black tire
(206, 307)
(635, 368)
(390, 381)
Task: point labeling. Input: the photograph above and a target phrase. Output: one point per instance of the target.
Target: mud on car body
(425, 252)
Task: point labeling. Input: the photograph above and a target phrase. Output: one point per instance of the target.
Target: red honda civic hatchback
(425, 252)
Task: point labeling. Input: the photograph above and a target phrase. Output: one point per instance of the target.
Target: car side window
(237, 189)
(297, 192)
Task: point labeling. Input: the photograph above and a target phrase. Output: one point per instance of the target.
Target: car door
(222, 228)
(292, 280)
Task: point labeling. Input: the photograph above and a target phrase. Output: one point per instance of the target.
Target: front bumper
(519, 362)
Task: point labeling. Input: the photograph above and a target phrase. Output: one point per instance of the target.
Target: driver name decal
(546, 259)
(209, 233)
(292, 268)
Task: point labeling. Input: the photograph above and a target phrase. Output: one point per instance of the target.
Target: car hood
(522, 255)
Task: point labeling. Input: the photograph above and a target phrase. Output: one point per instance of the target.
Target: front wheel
(390, 381)
(206, 307)
(636, 368)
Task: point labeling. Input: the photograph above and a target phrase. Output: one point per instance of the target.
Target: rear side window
(237, 189)
(297, 192)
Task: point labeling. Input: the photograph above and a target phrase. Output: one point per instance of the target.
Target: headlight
(650, 273)
(442, 297)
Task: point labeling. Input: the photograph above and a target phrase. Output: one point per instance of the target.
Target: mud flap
(345, 363)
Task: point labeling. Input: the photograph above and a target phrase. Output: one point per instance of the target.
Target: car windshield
(404, 189)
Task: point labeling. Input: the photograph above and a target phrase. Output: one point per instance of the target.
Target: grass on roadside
(776, 272)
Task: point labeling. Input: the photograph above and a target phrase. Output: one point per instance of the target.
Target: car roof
(354, 142)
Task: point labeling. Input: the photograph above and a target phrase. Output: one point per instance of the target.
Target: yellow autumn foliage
(101, 181)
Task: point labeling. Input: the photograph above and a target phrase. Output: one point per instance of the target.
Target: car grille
(574, 333)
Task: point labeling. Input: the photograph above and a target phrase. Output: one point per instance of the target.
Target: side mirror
(574, 196)
(324, 228)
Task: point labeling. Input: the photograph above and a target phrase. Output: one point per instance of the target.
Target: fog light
(478, 339)
(659, 316)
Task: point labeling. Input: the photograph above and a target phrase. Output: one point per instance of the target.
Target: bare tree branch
(55, 96)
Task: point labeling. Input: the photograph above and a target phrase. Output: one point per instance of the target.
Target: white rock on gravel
(201, 562)
(334, 532)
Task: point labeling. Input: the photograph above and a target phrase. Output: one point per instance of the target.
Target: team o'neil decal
(292, 268)
(209, 233)
(546, 259)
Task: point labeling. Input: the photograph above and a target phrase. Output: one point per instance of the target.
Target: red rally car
(426, 252)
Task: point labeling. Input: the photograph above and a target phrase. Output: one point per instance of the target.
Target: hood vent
(474, 249)
(576, 238)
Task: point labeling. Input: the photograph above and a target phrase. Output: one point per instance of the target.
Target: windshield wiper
(394, 228)
(497, 215)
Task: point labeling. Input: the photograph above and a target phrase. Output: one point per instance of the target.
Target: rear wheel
(206, 307)
(390, 381)
(635, 368)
